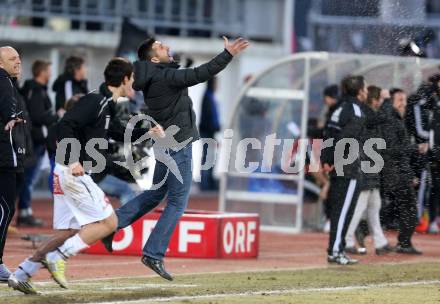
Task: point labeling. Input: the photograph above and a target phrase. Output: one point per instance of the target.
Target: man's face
(46, 74)
(162, 52)
(127, 87)
(81, 73)
(399, 103)
(329, 101)
(363, 93)
(10, 61)
(376, 103)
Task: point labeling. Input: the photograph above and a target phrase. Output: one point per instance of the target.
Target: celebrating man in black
(12, 143)
(398, 178)
(346, 123)
(165, 89)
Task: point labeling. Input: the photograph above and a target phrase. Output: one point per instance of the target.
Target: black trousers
(434, 200)
(342, 198)
(8, 191)
(405, 208)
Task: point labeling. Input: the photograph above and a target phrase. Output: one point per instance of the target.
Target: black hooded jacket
(165, 89)
(13, 143)
(397, 171)
(65, 86)
(40, 110)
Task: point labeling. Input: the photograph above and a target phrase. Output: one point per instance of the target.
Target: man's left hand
(157, 131)
(12, 123)
(235, 47)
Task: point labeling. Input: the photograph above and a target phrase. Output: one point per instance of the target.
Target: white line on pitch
(270, 292)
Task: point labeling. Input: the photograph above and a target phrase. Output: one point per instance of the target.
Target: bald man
(12, 143)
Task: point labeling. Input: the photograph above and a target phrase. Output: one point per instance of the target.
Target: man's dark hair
(373, 93)
(145, 49)
(73, 63)
(394, 91)
(352, 84)
(39, 66)
(116, 70)
(331, 91)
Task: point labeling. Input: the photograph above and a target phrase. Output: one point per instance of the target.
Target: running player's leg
(91, 211)
(146, 201)
(66, 225)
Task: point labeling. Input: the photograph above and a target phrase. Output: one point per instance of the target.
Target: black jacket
(165, 89)
(40, 110)
(13, 144)
(397, 171)
(372, 130)
(93, 116)
(347, 121)
(435, 130)
(65, 87)
(417, 120)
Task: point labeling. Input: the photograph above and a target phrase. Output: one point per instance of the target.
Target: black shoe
(29, 221)
(384, 250)
(407, 250)
(157, 266)
(108, 242)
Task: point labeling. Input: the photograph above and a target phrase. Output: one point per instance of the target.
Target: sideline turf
(226, 283)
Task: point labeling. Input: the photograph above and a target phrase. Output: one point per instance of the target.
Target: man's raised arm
(192, 76)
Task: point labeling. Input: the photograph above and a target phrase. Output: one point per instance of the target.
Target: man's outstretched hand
(236, 46)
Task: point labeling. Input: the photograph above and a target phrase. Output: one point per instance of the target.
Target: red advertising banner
(197, 235)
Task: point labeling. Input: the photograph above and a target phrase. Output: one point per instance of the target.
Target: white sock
(70, 247)
(29, 211)
(23, 212)
(27, 269)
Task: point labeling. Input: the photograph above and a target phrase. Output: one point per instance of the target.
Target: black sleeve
(8, 103)
(116, 130)
(83, 113)
(60, 100)
(193, 76)
(38, 113)
(340, 125)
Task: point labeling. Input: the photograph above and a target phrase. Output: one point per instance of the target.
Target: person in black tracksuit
(417, 120)
(41, 114)
(72, 82)
(397, 175)
(434, 159)
(346, 122)
(12, 143)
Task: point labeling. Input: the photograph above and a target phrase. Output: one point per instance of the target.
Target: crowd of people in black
(404, 132)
